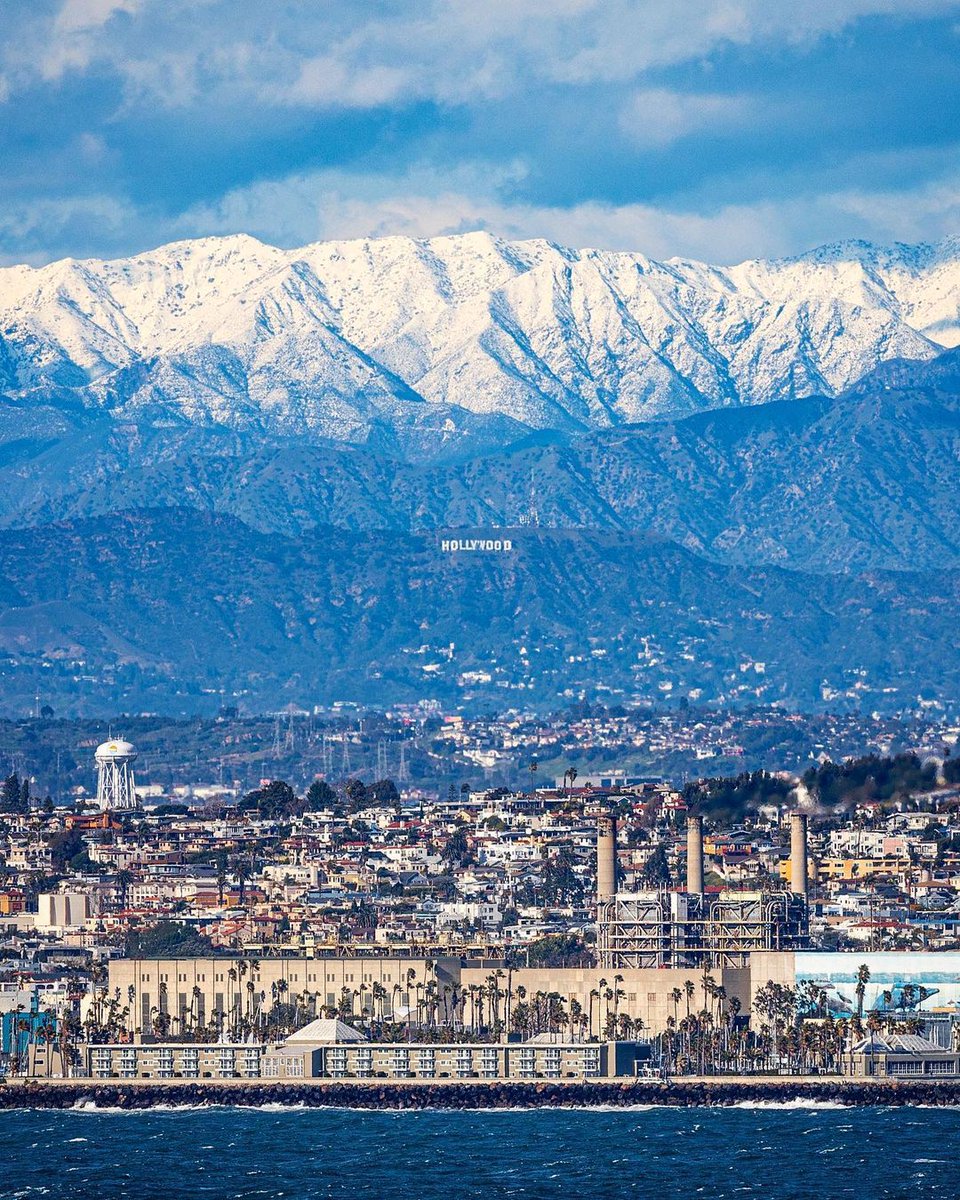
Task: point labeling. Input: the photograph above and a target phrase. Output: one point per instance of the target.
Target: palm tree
(594, 995)
(221, 876)
(124, 879)
(241, 870)
(863, 978)
(618, 994)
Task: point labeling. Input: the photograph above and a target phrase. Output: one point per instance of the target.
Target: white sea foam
(795, 1103)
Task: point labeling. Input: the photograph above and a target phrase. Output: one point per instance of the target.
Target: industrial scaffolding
(695, 930)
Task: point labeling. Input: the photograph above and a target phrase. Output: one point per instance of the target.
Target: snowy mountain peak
(336, 338)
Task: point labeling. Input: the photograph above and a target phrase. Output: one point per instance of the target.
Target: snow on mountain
(338, 338)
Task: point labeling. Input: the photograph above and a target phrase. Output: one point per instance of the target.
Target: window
(905, 1068)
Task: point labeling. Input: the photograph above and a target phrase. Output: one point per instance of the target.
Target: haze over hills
(223, 461)
(867, 480)
(166, 605)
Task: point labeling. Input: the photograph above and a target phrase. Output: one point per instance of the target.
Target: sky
(714, 129)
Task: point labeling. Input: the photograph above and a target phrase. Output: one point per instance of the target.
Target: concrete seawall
(133, 1094)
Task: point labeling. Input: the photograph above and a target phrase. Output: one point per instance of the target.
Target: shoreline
(418, 1095)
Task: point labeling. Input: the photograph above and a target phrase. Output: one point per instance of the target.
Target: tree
(275, 799)
(356, 793)
(656, 870)
(64, 847)
(863, 978)
(241, 869)
(123, 881)
(320, 795)
(222, 870)
(384, 792)
(10, 794)
(554, 950)
(167, 939)
(457, 851)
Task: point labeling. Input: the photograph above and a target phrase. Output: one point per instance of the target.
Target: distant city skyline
(707, 129)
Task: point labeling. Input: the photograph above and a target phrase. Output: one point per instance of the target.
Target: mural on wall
(898, 982)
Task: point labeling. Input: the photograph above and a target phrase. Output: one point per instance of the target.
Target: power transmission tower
(288, 741)
(345, 761)
(382, 770)
(276, 736)
(403, 774)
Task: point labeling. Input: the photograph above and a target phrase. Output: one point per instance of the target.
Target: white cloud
(79, 221)
(325, 81)
(335, 204)
(655, 117)
(422, 203)
(73, 40)
(454, 51)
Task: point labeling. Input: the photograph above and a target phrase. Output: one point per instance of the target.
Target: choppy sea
(788, 1151)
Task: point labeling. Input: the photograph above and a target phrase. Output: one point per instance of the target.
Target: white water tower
(116, 789)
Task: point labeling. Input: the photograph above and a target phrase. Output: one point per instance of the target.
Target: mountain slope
(341, 339)
(173, 603)
(867, 480)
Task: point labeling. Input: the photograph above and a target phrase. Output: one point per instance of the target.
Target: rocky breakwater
(133, 1094)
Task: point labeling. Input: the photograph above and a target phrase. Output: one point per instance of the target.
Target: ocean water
(784, 1151)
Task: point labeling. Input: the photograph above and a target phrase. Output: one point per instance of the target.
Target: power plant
(691, 928)
(116, 787)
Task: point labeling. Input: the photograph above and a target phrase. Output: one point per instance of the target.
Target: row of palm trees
(793, 1032)
(793, 1029)
(414, 1009)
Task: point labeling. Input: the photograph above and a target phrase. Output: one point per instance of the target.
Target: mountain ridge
(862, 481)
(338, 339)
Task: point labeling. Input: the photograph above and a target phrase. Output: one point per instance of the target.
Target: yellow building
(850, 870)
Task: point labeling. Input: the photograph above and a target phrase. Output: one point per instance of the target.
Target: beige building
(902, 1056)
(173, 1060)
(329, 1049)
(533, 1059)
(647, 996)
(191, 990)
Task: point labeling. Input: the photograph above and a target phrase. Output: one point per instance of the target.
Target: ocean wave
(794, 1103)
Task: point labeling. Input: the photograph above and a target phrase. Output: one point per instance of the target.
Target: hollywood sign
(475, 545)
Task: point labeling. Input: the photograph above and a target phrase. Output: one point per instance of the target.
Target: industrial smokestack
(798, 854)
(606, 859)
(695, 855)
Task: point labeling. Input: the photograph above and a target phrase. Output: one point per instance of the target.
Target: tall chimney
(695, 855)
(798, 854)
(606, 859)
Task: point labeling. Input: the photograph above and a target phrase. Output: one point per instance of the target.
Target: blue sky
(718, 129)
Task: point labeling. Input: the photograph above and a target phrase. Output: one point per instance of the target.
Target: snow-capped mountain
(459, 338)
